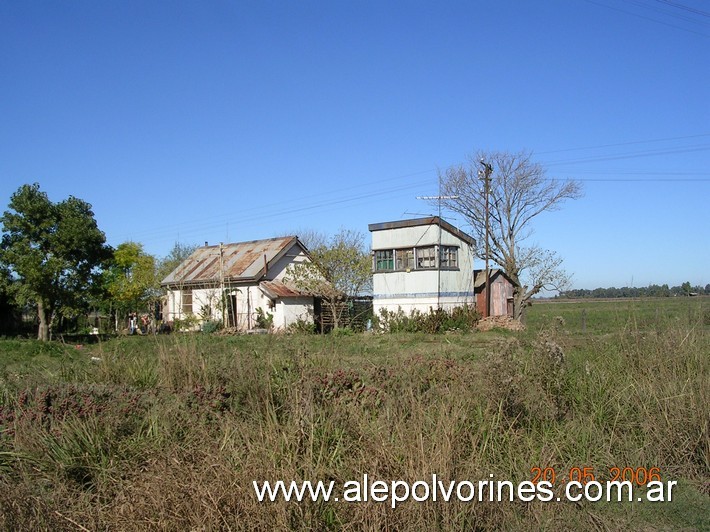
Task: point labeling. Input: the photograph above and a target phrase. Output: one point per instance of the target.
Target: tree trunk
(521, 301)
(43, 332)
(334, 311)
(518, 304)
(518, 295)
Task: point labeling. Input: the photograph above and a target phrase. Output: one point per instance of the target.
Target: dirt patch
(499, 322)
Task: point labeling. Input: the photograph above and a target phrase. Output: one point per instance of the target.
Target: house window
(384, 260)
(426, 258)
(187, 301)
(404, 259)
(449, 257)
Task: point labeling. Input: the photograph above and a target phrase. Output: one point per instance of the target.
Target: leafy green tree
(10, 314)
(686, 288)
(340, 267)
(131, 279)
(54, 252)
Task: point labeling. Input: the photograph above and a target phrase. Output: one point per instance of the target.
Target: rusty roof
(242, 261)
(278, 289)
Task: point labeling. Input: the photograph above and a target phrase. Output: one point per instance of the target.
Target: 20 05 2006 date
(639, 476)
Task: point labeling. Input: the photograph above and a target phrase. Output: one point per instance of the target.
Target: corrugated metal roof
(430, 220)
(277, 289)
(242, 261)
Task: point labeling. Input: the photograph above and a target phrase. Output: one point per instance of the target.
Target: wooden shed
(501, 292)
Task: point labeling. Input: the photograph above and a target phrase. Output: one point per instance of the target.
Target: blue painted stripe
(414, 295)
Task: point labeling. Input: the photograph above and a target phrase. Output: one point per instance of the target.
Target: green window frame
(384, 260)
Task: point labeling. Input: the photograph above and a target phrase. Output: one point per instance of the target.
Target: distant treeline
(653, 290)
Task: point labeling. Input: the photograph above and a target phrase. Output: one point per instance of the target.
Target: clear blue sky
(228, 121)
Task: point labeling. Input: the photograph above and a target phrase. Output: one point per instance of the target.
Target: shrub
(462, 318)
(211, 326)
(188, 323)
(301, 326)
(264, 320)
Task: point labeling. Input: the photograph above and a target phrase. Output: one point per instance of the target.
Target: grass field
(169, 432)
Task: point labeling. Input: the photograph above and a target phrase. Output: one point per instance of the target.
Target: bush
(264, 320)
(342, 331)
(462, 318)
(188, 323)
(211, 326)
(301, 326)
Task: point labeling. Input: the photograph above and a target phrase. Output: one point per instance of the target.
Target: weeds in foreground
(169, 433)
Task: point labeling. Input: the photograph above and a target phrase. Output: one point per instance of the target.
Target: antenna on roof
(438, 198)
(417, 213)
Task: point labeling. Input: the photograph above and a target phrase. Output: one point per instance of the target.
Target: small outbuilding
(240, 284)
(502, 288)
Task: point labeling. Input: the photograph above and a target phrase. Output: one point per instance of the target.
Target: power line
(649, 18)
(624, 172)
(629, 143)
(685, 8)
(270, 214)
(628, 180)
(219, 219)
(337, 198)
(216, 219)
(669, 13)
(632, 155)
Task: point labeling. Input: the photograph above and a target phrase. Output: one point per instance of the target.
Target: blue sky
(228, 121)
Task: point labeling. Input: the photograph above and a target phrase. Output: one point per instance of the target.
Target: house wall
(417, 289)
(206, 302)
(277, 271)
(421, 235)
(245, 300)
(290, 310)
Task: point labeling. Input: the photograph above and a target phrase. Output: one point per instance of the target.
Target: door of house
(231, 310)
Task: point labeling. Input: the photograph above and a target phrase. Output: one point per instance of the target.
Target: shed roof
(480, 277)
(429, 220)
(241, 261)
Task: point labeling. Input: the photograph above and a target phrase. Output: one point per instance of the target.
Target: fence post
(584, 320)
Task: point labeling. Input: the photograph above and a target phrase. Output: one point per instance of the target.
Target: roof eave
(417, 222)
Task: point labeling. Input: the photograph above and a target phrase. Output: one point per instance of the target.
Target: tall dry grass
(169, 433)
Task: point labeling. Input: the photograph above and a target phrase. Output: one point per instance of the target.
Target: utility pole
(485, 175)
(221, 284)
(438, 198)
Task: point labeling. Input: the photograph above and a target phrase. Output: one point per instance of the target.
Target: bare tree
(311, 238)
(519, 191)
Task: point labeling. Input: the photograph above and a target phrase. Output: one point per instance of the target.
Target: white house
(234, 283)
(421, 264)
